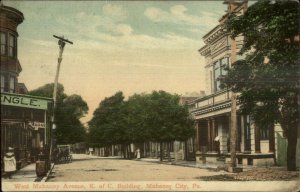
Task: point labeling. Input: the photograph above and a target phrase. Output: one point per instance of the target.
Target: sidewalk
(185, 163)
(27, 174)
(179, 162)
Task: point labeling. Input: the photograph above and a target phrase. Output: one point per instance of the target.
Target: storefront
(25, 126)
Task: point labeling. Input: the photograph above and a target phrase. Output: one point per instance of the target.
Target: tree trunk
(185, 150)
(129, 152)
(169, 152)
(291, 148)
(161, 151)
(156, 150)
(122, 152)
(145, 152)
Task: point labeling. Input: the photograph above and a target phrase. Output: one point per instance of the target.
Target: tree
(69, 110)
(268, 78)
(69, 128)
(144, 117)
(167, 120)
(108, 125)
(137, 108)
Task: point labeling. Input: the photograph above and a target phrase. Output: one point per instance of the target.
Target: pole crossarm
(63, 39)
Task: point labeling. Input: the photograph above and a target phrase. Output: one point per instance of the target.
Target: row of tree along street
(156, 117)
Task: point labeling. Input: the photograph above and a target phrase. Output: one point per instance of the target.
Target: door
(247, 134)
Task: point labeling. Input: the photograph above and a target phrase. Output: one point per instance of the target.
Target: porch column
(257, 138)
(238, 138)
(228, 134)
(197, 136)
(208, 135)
(271, 139)
(213, 129)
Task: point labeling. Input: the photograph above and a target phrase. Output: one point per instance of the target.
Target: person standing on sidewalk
(10, 162)
(138, 154)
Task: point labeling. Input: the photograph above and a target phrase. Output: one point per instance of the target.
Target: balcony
(210, 103)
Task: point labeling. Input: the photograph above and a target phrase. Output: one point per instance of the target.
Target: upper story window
(2, 83)
(12, 85)
(3, 43)
(219, 69)
(12, 46)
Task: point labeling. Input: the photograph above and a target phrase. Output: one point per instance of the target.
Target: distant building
(25, 120)
(21, 88)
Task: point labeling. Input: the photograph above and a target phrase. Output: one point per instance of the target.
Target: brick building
(25, 120)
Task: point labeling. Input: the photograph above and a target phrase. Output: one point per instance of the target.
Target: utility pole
(61, 43)
(233, 132)
(233, 119)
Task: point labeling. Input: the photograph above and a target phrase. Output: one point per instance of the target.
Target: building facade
(25, 119)
(10, 66)
(212, 113)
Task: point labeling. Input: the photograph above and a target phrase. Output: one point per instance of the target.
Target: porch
(254, 145)
(243, 159)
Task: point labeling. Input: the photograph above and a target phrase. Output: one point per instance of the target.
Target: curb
(49, 172)
(172, 163)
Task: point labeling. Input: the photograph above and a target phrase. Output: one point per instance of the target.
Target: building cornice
(12, 13)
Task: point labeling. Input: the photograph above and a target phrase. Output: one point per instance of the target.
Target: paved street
(90, 168)
(130, 175)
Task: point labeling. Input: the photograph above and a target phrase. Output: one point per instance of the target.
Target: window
(2, 83)
(3, 43)
(219, 69)
(12, 46)
(264, 133)
(12, 85)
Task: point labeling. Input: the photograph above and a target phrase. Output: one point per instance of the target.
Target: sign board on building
(36, 125)
(23, 101)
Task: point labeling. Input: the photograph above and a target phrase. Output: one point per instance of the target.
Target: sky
(128, 46)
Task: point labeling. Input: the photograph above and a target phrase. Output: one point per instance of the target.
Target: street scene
(87, 168)
(150, 95)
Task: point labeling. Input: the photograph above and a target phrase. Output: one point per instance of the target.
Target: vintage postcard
(150, 95)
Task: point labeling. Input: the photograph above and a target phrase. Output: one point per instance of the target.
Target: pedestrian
(217, 144)
(138, 153)
(9, 162)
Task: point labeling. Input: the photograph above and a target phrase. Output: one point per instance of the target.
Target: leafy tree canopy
(144, 117)
(268, 78)
(69, 110)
